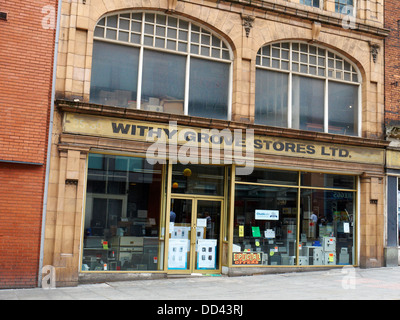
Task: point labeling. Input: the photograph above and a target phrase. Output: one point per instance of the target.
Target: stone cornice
(134, 114)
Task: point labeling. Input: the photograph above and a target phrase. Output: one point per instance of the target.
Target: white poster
(177, 254)
(180, 232)
(202, 222)
(206, 253)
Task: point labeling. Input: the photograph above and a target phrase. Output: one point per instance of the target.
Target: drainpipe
(46, 185)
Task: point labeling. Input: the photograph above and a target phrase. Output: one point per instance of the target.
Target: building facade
(27, 37)
(216, 137)
(392, 123)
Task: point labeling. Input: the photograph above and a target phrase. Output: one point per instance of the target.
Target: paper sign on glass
(256, 232)
(269, 234)
(241, 231)
(202, 222)
(267, 214)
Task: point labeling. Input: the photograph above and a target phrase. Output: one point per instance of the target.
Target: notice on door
(177, 254)
(206, 253)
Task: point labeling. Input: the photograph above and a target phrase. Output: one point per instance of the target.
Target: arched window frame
(331, 73)
(139, 39)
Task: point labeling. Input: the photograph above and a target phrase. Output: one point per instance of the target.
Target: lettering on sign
(252, 258)
(235, 140)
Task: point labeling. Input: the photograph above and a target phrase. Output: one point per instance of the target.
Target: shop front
(392, 239)
(142, 205)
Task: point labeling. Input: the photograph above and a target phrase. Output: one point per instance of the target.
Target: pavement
(337, 284)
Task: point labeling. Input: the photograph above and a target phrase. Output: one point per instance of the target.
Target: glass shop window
(294, 225)
(327, 227)
(123, 215)
(269, 176)
(198, 179)
(325, 180)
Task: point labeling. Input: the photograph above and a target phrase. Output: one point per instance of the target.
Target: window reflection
(271, 98)
(163, 87)
(112, 69)
(308, 103)
(209, 88)
(170, 61)
(122, 218)
(265, 222)
(198, 179)
(327, 227)
(270, 222)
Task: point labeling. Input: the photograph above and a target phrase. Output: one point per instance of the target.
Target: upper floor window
(312, 3)
(304, 86)
(344, 6)
(158, 62)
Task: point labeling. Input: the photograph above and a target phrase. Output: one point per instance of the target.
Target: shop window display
(281, 223)
(198, 179)
(123, 215)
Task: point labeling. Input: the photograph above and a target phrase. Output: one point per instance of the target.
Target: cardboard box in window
(150, 107)
(116, 98)
(173, 106)
(123, 97)
(132, 104)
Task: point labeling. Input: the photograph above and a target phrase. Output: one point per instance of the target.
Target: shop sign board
(226, 139)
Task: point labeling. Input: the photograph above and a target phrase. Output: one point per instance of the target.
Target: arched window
(158, 62)
(307, 87)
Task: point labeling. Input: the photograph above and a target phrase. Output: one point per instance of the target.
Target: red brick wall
(392, 63)
(26, 58)
(21, 199)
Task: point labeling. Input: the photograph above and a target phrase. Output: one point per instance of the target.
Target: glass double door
(194, 235)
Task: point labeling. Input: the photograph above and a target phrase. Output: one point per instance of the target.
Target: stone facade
(247, 27)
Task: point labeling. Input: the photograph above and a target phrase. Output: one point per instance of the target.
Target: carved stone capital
(247, 23)
(315, 30)
(374, 49)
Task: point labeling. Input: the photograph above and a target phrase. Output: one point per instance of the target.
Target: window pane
(209, 89)
(343, 106)
(269, 176)
(327, 227)
(114, 74)
(198, 179)
(308, 103)
(271, 98)
(313, 179)
(122, 223)
(265, 223)
(163, 82)
(313, 3)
